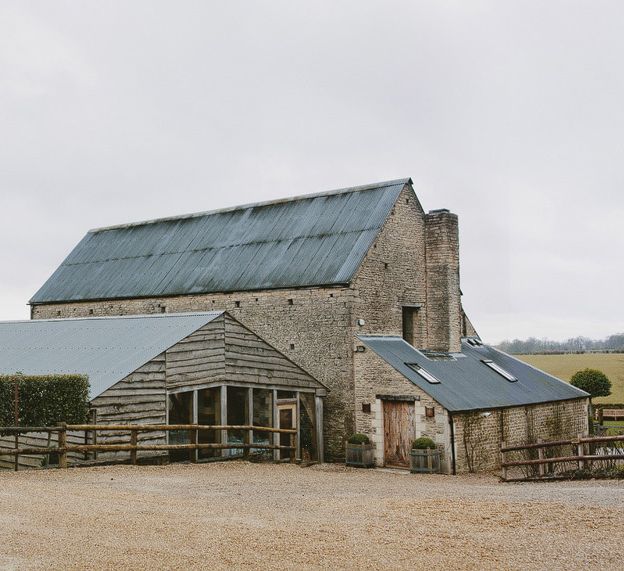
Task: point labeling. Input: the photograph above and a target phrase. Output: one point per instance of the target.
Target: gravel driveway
(256, 516)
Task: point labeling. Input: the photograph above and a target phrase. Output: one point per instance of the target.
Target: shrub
(423, 443)
(592, 381)
(358, 438)
(44, 400)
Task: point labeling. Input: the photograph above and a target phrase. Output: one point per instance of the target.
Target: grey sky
(509, 113)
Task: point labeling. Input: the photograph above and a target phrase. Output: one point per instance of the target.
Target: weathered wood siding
(250, 359)
(140, 398)
(198, 358)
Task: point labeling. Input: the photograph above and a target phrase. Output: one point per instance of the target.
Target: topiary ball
(423, 443)
(358, 438)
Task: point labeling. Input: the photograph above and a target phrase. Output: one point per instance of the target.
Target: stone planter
(360, 455)
(425, 461)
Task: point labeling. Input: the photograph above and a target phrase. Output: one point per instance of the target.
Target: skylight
(502, 372)
(437, 356)
(424, 374)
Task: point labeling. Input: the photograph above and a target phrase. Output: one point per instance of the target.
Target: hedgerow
(44, 400)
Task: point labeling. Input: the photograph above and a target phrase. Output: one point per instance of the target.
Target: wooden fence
(542, 460)
(63, 448)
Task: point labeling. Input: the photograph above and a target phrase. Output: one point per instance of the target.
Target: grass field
(564, 366)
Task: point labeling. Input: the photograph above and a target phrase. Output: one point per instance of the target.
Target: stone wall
(478, 435)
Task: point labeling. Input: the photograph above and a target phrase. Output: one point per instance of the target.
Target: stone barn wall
(478, 435)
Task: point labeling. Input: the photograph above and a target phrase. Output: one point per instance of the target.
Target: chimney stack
(443, 295)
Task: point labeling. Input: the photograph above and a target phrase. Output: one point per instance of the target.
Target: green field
(564, 366)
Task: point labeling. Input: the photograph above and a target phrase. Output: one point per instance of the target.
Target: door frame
(293, 406)
(409, 400)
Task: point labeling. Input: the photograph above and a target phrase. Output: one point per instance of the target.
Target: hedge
(44, 400)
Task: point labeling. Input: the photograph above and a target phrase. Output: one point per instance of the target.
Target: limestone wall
(478, 435)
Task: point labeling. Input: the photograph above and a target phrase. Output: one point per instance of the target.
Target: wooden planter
(424, 461)
(360, 455)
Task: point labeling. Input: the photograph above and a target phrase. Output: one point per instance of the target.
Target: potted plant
(425, 457)
(359, 451)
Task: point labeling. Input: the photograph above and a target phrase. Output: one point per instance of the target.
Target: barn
(196, 367)
(334, 282)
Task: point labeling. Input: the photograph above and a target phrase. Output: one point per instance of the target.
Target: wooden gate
(399, 432)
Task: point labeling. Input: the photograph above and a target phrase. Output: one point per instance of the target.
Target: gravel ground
(254, 516)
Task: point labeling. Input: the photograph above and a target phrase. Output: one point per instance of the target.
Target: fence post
(134, 439)
(16, 449)
(62, 443)
(502, 461)
(293, 451)
(541, 468)
(580, 451)
(195, 440)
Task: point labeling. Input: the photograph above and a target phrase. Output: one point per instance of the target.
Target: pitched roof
(466, 383)
(107, 349)
(311, 240)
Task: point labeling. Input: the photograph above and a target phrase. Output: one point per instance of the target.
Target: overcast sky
(511, 114)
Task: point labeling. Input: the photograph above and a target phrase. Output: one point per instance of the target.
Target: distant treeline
(613, 343)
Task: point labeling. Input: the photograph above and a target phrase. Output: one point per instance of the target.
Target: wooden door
(287, 419)
(399, 432)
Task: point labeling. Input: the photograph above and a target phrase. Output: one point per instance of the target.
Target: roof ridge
(284, 200)
(114, 317)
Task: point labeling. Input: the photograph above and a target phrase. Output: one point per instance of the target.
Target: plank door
(399, 432)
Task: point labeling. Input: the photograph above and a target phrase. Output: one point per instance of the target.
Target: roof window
(438, 356)
(474, 342)
(424, 374)
(502, 372)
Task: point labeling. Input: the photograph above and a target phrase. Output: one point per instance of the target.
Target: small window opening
(163, 309)
(430, 412)
(237, 304)
(386, 265)
(502, 372)
(412, 325)
(290, 302)
(58, 313)
(423, 373)
(292, 345)
(407, 201)
(366, 407)
(90, 312)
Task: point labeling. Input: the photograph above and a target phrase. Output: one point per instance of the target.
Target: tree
(592, 381)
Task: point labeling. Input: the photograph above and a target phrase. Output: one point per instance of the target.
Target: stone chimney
(443, 295)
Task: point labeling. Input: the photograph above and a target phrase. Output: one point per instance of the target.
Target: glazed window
(423, 373)
(502, 372)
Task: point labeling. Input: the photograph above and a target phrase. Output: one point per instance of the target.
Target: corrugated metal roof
(305, 241)
(468, 384)
(107, 349)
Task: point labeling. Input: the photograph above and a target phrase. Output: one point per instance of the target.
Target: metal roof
(466, 383)
(304, 241)
(107, 349)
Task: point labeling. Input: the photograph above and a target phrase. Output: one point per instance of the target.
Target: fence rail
(552, 461)
(63, 448)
